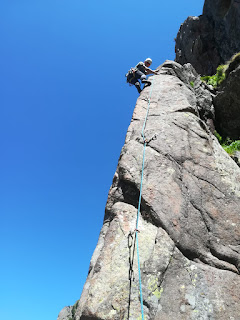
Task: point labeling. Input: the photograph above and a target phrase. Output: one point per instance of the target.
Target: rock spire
(189, 224)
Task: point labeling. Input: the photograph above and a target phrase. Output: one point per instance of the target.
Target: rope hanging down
(139, 202)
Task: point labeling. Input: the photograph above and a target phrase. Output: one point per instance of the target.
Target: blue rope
(145, 121)
(139, 203)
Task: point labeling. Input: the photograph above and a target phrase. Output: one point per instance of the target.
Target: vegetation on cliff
(223, 71)
(229, 145)
(74, 309)
(217, 78)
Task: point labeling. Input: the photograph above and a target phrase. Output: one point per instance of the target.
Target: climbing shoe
(146, 82)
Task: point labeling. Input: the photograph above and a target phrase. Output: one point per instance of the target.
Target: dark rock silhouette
(210, 39)
(227, 104)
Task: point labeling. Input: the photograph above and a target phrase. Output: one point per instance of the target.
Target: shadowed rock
(227, 105)
(210, 39)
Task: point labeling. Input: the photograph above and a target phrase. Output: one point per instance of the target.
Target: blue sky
(64, 112)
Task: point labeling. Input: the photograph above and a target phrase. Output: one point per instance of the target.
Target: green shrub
(222, 71)
(231, 148)
(228, 144)
(217, 135)
(217, 78)
(192, 84)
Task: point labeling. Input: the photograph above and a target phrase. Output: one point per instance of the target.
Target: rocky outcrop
(68, 313)
(189, 237)
(210, 39)
(227, 105)
(65, 313)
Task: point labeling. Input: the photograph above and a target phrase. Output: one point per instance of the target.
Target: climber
(139, 73)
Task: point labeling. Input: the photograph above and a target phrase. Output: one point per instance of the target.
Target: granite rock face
(189, 238)
(210, 39)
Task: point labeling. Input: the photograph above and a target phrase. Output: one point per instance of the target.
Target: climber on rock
(139, 73)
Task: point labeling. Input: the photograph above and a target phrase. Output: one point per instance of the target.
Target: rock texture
(65, 313)
(212, 38)
(189, 225)
(227, 105)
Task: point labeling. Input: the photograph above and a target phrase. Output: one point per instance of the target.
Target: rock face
(65, 314)
(227, 105)
(189, 238)
(210, 39)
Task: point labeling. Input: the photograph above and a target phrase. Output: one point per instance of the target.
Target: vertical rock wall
(189, 225)
(210, 39)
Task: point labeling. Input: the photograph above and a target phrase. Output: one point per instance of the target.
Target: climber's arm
(150, 71)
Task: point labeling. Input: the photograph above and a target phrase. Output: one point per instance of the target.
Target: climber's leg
(138, 86)
(144, 80)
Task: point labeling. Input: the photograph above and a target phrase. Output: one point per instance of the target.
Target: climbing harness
(145, 141)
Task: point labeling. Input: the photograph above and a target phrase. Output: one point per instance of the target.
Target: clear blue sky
(65, 109)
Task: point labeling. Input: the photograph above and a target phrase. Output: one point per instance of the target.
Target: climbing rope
(139, 202)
